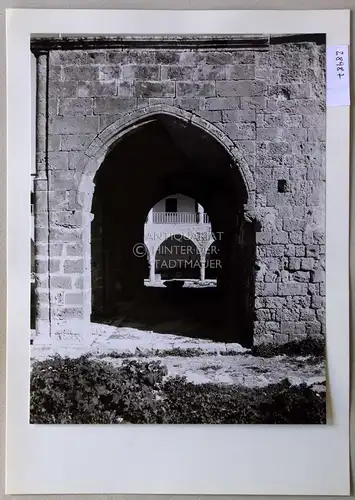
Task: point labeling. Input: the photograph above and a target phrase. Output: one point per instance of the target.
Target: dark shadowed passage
(156, 158)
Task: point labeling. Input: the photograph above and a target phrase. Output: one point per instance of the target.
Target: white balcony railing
(178, 218)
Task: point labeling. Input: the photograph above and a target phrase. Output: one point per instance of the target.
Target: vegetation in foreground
(313, 347)
(84, 391)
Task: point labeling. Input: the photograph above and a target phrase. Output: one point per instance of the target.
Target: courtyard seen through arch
(194, 175)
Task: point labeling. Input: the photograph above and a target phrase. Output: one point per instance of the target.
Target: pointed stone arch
(108, 137)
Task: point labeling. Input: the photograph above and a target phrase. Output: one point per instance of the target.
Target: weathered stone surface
(41, 265)
(177, 72)
(294, 224)
(263, 315)
(58, 160)
(240, 131)
(110, 72)
(268, 106)
(112, 105)
(53, 143)
(125, 88)
(66, 218)
(294, 264)
(238, 116)
(93, 89)
(263, 238)
(300, 251)
(168, 101)
(296, 237)
(54, 265)
(253, 103)
(269, 134)
(155, 89)
(167, 57)
(312, 251)
(190, 103)
(73, 299)
(275, 250)
(74, 250)
(65, 235)
(78, 283)
(308, 315)
(141, 72)
(318, 276)
(76, 106)
(280, 120)
(73, 266)
(290, 250)
(307, 264)
(55, 73)
(61, 282)
(125, 56)
(74, 124)
(95, 57)
(212, 116)
(64, 57)
(84, 73)
(268, 289)
(280, 237)
(292, 288)
(75, 142)
(195, 89)
(245, 88)
(56, 298)
(302, 276)
(223, 103)
(240, 72)
(219, 58)
(313, 328)
(210, 72)
(64, 313)
(65, 89)
(62, 180)
(293, 328)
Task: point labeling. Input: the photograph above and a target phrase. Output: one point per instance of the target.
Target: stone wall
(269, 101)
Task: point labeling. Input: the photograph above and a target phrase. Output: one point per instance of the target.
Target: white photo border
(171, 459)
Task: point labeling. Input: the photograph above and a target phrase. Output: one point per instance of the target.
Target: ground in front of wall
(200, 360)
(135, 376)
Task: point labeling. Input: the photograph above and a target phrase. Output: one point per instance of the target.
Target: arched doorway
(178, 257)
(159, 156)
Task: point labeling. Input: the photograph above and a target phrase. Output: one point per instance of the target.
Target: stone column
(41, 215)
(202, 268)
(152, 268)
(200, 213)
(150, 216)
(80, 295)
(70, 267)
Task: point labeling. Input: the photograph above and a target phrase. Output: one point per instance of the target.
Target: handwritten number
(339, 64)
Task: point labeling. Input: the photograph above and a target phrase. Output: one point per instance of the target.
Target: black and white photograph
(178, 230)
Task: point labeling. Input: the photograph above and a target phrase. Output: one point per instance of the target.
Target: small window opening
(282, 185)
